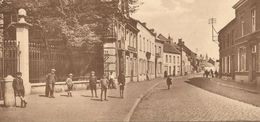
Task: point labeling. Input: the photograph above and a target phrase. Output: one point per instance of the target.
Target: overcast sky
(187, 19)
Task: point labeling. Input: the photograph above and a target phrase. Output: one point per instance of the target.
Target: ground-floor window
(242, 59)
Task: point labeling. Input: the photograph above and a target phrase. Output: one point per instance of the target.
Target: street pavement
(185, 102)
(80, 108)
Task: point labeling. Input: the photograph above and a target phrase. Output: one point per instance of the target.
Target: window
(174, 59)
(242, 28)
(253, 15)
(144, 45)
(159, 50)
(140, 41)
(242, 59)
(166, 59)
(170, 57)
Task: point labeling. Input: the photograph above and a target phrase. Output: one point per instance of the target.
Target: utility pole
(212, 21)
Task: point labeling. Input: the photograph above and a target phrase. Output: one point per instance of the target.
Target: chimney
(144, 23)
(152, 30)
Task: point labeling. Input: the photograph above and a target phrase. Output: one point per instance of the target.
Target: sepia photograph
(129, 61)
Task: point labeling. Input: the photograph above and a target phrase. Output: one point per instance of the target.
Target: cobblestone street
(185, 102)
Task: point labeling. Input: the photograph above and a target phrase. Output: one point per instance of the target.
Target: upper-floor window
(242, 28)
(166, 59)
(253, 17)
(160, 50)
(174, 59)
(140, 41)
(170, 57)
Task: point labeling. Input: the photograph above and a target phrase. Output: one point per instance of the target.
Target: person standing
(104, 87)
(111, 84)
(50, 83)
(69, 84)
(169, 82)
(18, 87)
(93, 83)
(121, 82)
(212, 73)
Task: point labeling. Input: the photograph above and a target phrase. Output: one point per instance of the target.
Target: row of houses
(239, 44)
(141, 53)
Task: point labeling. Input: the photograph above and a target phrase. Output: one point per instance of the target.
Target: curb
(127, 118)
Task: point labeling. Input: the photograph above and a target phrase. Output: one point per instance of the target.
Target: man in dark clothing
(19, 88)
(93, 83)
(50, 83)
(212, 73)
(169, 82)
(121, 82)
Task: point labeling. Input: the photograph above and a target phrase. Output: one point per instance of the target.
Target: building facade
(146, 53)
(171, 57)
(239, 44)
(188, 59)
(159, 46)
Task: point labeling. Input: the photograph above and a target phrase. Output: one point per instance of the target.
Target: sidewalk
(242, 86)
(241, 92)
(81, 107)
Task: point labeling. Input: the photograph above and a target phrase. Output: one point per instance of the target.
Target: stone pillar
(9, 98)
(22, 38)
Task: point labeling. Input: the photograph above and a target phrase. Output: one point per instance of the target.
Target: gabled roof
(170, 48)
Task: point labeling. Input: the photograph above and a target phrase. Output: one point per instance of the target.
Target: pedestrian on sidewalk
(104, 87)
(121, 82)
(18, 87)
(50, 84)
(169, 82)
(111, 84)
(93, 84)
(212, 73)
(69, 84)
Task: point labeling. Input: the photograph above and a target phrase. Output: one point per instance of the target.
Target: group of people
(210, 73)
(106, 82)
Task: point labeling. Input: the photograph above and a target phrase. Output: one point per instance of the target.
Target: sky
(188, 19)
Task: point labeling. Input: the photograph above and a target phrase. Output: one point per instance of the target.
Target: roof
(229, 24)
(170, 48)
(239, 3)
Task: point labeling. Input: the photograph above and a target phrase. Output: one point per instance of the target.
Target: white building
(159, 70)
(171, 57)
(146, 53)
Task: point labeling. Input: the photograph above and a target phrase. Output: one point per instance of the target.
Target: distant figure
(169, 82)
(121, 82)
(69, 84)
(111, 84)
(216, 73)
(212, 73)
(18, 87)
(104, 87)
(207, 73)
(50, 83)
(93, 84)
(147, 75)
(165, 74)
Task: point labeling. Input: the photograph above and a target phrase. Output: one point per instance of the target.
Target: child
(19, 88)
(69, 84)
(169, 82)
(104, 87)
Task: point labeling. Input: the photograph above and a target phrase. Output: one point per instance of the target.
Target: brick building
(239, 44)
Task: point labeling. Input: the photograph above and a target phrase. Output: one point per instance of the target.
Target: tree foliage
(77, 22)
